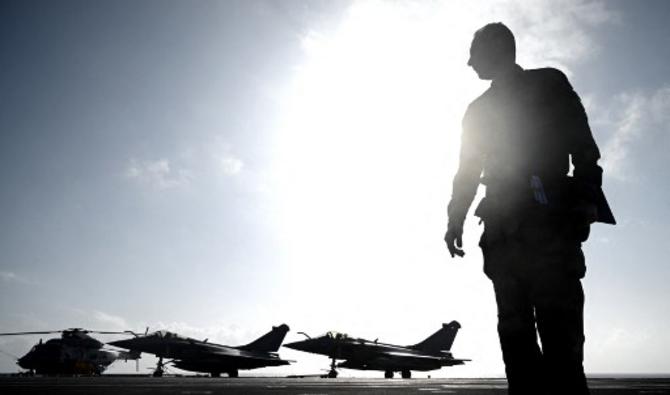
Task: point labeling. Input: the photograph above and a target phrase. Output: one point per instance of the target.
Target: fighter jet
(430, 354)
(201, 356)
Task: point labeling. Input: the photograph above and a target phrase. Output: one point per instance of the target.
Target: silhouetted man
(518, 139)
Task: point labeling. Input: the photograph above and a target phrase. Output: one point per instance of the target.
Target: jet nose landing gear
(332, 374)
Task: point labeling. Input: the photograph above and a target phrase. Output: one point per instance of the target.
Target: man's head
(493, 50)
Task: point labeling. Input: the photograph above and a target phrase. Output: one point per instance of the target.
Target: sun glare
(368, 147)
(370, 133)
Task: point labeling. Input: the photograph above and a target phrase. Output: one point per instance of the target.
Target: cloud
(231, 165)
(110, 321)
(8, 276)
(627, 128)
(555, 33)
(157, 174)
(11, 277)
(635, 120)
(223, 156)
(660, 106)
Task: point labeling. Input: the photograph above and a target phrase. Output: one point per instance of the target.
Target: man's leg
(559, 303)
(518, 340)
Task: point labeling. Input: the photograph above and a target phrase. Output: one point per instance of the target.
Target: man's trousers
(536, 269)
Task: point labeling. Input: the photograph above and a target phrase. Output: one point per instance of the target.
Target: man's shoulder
(480, 102)
(547, 76)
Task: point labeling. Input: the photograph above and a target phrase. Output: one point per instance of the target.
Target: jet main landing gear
(333, 372)
(405, 374)
(159, 368)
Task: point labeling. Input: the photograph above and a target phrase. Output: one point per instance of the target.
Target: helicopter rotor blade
(112, 332)
(28, 333)
(69, 330)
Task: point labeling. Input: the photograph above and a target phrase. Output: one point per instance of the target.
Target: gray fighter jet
(201, 356)
(430, 354)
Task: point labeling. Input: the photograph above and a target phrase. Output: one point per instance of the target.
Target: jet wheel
(406, 374)
(333, 372)
(215, 374)
(233, 373)
(388, 374)
(159, 368)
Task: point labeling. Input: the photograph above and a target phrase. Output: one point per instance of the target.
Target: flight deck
(113, 385)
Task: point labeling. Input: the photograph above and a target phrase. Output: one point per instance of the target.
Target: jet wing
(236, 353)
(454, 361)
(402, 360)
(424, 357)
(408, 356)
(225, 358)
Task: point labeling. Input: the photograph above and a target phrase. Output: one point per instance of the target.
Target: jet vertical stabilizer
(441, 340)
(269, 342)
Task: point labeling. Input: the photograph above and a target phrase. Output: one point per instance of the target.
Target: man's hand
(454, 240)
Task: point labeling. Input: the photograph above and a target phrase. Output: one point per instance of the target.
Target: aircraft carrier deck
(112, 385)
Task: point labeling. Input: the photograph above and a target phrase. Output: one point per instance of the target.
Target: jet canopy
(337, 335)
(167, 335)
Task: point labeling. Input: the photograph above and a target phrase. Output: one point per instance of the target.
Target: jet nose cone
(127, 343)
(303, 345)
(23, 362)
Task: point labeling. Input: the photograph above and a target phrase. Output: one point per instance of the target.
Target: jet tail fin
(269, 342)
(442, 340)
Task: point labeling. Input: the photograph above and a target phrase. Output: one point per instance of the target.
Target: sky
(219, 167)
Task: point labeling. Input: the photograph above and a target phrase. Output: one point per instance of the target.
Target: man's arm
(587, 174)
(583, 147)
(465, 183)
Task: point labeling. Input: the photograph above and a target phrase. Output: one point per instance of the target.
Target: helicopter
(74, 353)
